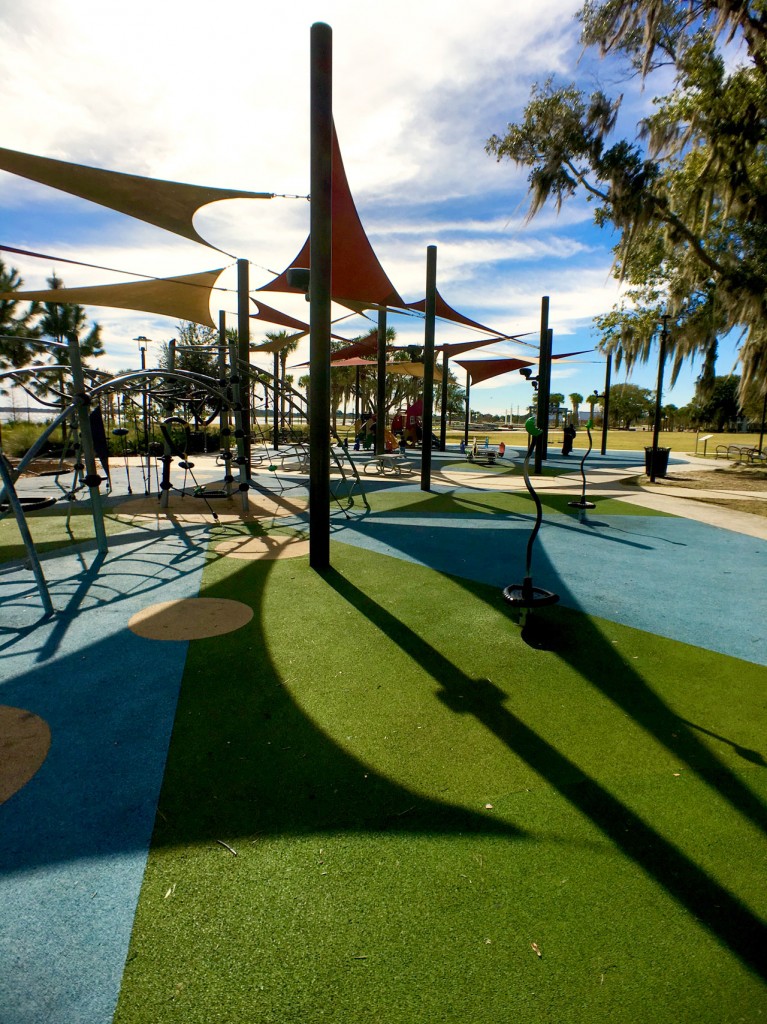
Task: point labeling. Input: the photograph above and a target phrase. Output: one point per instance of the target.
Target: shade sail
(446, 312)
(166, 204)
(413, 370)
(186, 297)
(356, 275)
(483, 369)
(279, 344)
(275, 316)
(455, 349)
(405, 369)
(367, 346)
(371, 364)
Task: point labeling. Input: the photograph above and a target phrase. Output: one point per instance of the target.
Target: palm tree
(592, 400)
(575, 402)
(288, 343)
(555, 401)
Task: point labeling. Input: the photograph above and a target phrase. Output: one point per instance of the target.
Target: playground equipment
(582, 503)
(524, 595)
(485, 453)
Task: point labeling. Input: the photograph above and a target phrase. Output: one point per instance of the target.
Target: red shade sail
(357, 276)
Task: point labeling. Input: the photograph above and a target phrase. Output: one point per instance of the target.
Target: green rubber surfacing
(416, 794)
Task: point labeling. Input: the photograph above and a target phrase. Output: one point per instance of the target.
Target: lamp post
(658, 398)
(142, 344)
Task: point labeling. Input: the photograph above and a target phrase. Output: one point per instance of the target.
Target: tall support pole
(761, 428)
(430, 310)
(243, 348)
(381, 384)
(243, 465)
(658, 397)
(320, 233)
(9, 495)
(468, 409)
(544, 367)
(145, 424)
(443, 404)
(606, 402)
(276, 399)
(92, 478)
(224, 418)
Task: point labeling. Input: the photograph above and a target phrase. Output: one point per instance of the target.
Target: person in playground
(569, 437)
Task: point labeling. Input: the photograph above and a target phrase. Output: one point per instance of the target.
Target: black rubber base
(31, 504)
(523, 595)
(581, 504)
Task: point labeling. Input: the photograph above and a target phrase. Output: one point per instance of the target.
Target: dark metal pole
(468, 409)
(243, 348)
(658, 398)
(606, 403)
(443, 410)
(381, 384)
(145, 422)
(321, 173)
(276, 399)
(223, 417)
(544, 366)
(430, 310)
(92, 478)
(761, 430)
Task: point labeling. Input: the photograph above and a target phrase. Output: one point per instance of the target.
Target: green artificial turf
(412, 793)
(493, 502)
(50, 531)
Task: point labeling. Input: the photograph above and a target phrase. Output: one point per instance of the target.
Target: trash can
(661, 461)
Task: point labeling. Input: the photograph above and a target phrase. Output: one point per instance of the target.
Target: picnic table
(393, 463)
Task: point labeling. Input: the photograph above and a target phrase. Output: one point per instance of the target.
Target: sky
(219, 95)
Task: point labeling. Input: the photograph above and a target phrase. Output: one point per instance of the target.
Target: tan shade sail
(186, 297)
(166, 204)
(413, 370)
(280, 344)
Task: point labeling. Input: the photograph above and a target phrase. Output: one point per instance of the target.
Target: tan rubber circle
(190, 619)
(273, 546)
(24, 743)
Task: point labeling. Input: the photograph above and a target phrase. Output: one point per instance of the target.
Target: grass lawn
(50, 530)
(681, 442)
(373, 813)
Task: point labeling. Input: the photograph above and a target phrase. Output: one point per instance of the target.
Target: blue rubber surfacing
(74, 840)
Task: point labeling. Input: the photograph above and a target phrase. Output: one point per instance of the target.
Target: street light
(142, 343)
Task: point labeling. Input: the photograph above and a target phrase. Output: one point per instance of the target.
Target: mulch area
(44, 467)
(740, 478)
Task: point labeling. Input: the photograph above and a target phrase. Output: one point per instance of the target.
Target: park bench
(736, 451)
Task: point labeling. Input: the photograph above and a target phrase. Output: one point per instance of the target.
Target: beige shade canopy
(413, 370)
(280, 344)
(166, 204)
(186, 297)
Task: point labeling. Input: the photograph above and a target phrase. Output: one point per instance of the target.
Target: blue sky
(220, 97)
